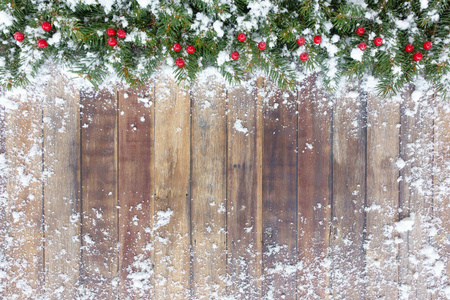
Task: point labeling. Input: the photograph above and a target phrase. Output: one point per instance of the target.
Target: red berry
(176, 47)
(235, 55)
(46, 26)
(242, 37)
(304, 56)
(301, 40)
(317, 39)
(112, 42)
(362, 46)
(19, 36)
(190, 49)
(378, 41)
(409, 48)
(417, 56)
(121, 33)
(180, 62)
(427, 45)
(110, 32)
(360, 30)
(42, 44)
(262, 45)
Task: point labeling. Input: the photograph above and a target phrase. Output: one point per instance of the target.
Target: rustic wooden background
(224, 193)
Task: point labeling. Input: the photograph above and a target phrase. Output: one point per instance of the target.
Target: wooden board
(24, 197)
(279, 194)
(3, 204)
(208, 189)
(172, 199)
(99, 193)
(244, 193)
(383, 133)
(314, 190)
(136, 187)
(61, 112)
(347, 208)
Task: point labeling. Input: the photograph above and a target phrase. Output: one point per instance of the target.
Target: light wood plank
(136, 187)
(61, 112)
(3, 204)
(99, 193)
(244, 193)
(383, 132)
(349, 167)
(172, 196)
(314, 190)
(24, 191)
(208, 189)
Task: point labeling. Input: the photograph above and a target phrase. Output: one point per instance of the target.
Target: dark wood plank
(61, 112)
(172, 199)
(208, 189)
(279, 198)
(136, 187)
(349, 167)
(24, 254)
(314, 190)
(383, 133)
(99, 193)
(244, 193)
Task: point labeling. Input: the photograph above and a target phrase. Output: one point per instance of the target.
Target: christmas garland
(393, 41)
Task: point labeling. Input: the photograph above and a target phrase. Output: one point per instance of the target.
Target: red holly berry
(304, 56)
(180, 62)
(301, 40)
(42, 44)
(262, 46)
(378, 41)
(417, 56)
(46, 26)
(235, 55)
(409, 48)
(121, 33)
(242, 36)
(360, 30)
(190, 49)
(112, 42)
(362, 46)
(19, 36)
(427, 45)
(110, 32)
(176, 47)
(317, 39)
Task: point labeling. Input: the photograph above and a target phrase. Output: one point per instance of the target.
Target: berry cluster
(177, 47)
(301, 40)
(111, 33)
(46, 26)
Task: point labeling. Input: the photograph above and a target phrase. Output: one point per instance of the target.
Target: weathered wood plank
(99, 193)
(279, 183)
(3, 204)
(208, 189)
(383, 133)
(349, 167)
(416, 150)
(24, 198)
(314, 190)
(172, 199)
(244, 193)
(136, 187)
(61, 112)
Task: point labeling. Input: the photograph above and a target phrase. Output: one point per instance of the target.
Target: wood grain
(314, 190)
(208, 189)
(136, 187)
(349, 167)
(383, 133)
(24, 198)
(3, 204)
(244, 193)
(416, 151)
(61, 111)
(172, 195)
(99, 193)
(279, 183)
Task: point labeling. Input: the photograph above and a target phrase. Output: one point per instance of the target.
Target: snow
(405, 224)
(218, 28)
(239, 127)
(357, 54)
(6, 19)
